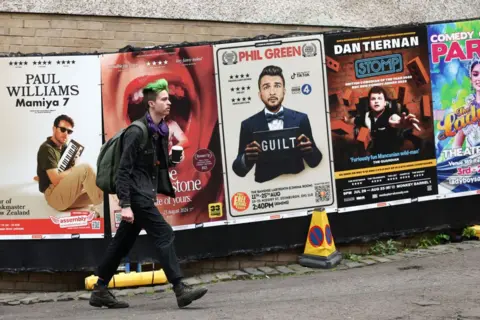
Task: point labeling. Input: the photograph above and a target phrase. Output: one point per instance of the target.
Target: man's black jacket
(143, 173)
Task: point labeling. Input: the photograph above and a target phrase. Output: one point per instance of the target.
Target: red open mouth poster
(193, 124)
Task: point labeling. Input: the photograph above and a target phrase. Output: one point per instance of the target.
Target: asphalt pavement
(432, 287)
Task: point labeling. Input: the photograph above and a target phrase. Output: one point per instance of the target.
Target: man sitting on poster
(72, 188)
(387, 123)
(275, 117)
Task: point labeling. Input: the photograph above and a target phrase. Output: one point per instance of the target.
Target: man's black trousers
(146, 216)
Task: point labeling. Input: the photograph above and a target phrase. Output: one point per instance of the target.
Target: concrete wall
(44, 33)
(353, 13)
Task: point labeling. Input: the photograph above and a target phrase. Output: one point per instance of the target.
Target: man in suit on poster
(274, 117)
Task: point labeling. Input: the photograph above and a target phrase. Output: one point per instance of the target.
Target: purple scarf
(160, 129)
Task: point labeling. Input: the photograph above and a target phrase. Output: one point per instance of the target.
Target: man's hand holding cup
(177, 154)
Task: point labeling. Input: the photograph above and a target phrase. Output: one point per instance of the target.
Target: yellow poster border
(385, 169)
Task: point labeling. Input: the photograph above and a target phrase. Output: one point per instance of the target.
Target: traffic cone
(320, 251)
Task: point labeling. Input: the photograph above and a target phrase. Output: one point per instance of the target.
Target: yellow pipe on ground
(477, 230)
(131, 279)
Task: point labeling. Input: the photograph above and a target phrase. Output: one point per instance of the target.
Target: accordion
(73, 150)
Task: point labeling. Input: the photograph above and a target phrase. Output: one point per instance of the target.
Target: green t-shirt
(48, 157)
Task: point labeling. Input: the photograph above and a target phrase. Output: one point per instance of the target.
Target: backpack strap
(144, 128)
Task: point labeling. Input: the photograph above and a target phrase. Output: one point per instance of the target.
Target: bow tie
(272, 116)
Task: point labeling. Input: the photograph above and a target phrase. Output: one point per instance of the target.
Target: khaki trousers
(78, 189)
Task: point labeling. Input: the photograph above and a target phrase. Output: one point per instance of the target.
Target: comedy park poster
(192, 123)
(47, 181)
(274, 125)
(381, 115)
(455, 71)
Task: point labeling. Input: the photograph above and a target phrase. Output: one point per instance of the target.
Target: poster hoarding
(193, 123)
(36, 91)
(455, 72)
(381, 116)
(272, 100)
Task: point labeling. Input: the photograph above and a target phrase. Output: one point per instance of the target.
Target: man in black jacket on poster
(141, 175)
(389, 124)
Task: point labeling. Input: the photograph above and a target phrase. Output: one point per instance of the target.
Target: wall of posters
(381, 115)
(455, 72)
(274, 125)
(193, 124)
(35, 202)
(271, 128)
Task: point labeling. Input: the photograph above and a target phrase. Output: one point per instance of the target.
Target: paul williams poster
(52, 129)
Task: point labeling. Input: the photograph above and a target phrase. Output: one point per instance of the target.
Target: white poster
(51, 118)
(276, 140)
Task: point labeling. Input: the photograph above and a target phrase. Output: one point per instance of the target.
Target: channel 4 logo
(378, 66)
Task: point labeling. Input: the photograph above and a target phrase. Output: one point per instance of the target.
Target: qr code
(95, 225)
(118, 217)
(322, 193)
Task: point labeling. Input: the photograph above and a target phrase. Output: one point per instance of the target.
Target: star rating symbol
(154, 63)
(64, 62)
(18, 63)
(239, 76)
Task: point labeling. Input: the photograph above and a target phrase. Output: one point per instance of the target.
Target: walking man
(141, 175)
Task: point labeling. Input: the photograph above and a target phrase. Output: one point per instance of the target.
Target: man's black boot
(186, 294)
(102, 297)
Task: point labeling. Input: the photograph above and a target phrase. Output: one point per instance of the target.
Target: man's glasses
(63, 129)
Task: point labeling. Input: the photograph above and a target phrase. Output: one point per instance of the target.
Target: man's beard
(277, 105)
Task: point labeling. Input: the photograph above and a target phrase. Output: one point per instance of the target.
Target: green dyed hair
(151, 90)
(157, 86)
